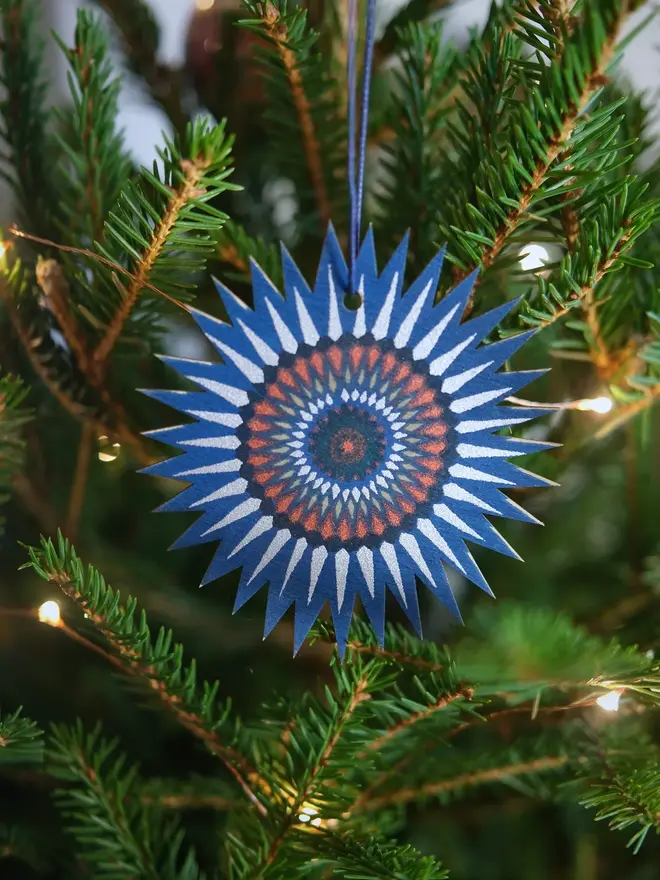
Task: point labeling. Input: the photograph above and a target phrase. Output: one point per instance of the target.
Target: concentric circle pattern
(336, 454)
(345, 443)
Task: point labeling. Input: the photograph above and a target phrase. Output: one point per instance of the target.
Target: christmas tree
(520, 744)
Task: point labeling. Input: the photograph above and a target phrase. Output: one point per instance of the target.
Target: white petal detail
(458, 493)
(262, 525)
(388, 553)
(296, 556)
(427, 528)
(454, 383)
(438, 366)
(464, 404)
(408, 323)
(449, 516)
(319, 555)
(264, 350)
(466, 450)
(461, 472)
(366, 559)
(240, 512)
(218, 467)
(469, 427)
(229, 420)
(234, 395)
(410, 545)
(236, 487)
(273, 549)
(228, 442)
(309, 332)
(286, 337)
(382, 324)
(341, 573)
(334, 323)
(251, 371)
(360, 326)
(424, 348)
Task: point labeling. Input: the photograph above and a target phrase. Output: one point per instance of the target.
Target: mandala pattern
(335, 452)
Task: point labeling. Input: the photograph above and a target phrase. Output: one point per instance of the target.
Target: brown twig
(193, 171)
(465, 780)
(599, 351)
(133, 663)
(77, 497)
(190, 802)
(277, 32)
(52, 282)
(396, 656)
(587, 289)
(229, 254)
(415, 718)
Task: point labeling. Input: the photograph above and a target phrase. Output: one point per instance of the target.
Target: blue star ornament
(337, 452)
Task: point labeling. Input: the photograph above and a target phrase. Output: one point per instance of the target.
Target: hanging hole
(352, 301)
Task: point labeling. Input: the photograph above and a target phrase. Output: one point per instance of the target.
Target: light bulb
(3, 248)
(600, 405)
(303, 817)
(609, 701)
(49, 613)
(533, 256)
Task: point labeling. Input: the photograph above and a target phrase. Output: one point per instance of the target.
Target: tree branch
(358, 696)
(134, 664)
(193, 169)
(593, 82)
(405, 723)
(278, 34)
(465, 780)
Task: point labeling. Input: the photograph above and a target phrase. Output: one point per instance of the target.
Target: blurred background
(601, 521)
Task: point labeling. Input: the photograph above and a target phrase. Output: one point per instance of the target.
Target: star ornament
(336, 453)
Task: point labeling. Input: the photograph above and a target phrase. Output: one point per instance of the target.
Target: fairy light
(3, 248)
(600, 405)
(110, 452)
(533, 256)
(609, 701)
(49, 613)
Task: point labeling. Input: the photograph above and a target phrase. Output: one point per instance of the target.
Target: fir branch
(115, 833)
(185, 219)
(157, 664)
(13, 416)
(548, 123)
(417, 717)
(316, 765)
(277, 30)
(418, 113)
(25, 117)
(307, 119)
(466, 780)
(238, 249)
(371, 859)
(21, 741)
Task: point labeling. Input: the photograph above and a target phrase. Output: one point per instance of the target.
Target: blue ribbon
(356, 176)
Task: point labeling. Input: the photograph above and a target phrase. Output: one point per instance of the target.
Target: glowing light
(609, 701)
(3, 248)
(204, 5)
(303, 817)
(533, 256)
(600, 405)
(309, 811)
(110, 451)
(49, 613)
(317, 822)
